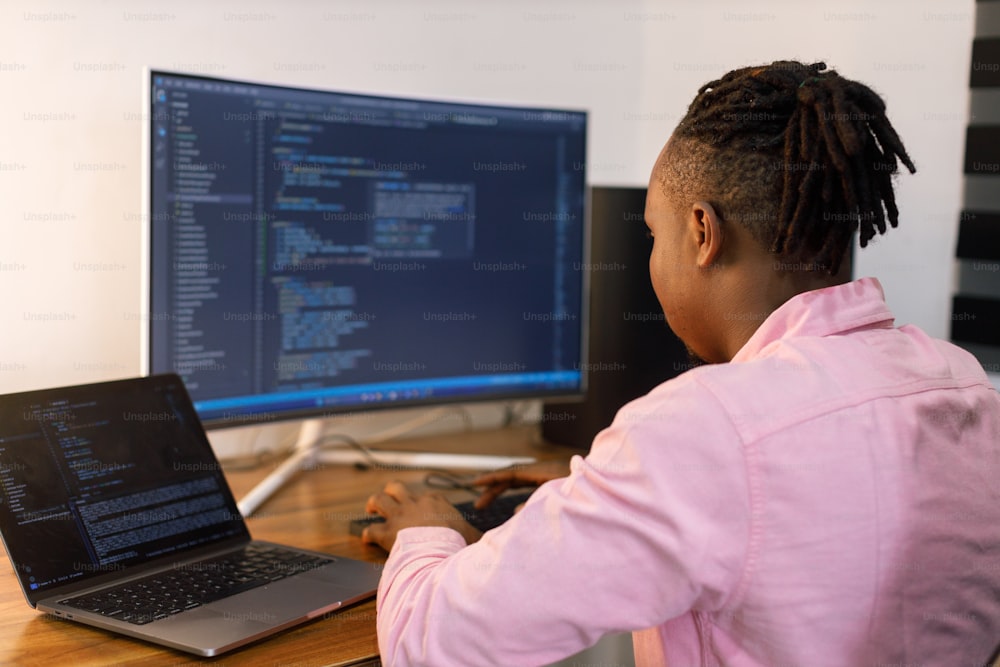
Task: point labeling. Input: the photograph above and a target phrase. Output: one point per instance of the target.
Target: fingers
(487, 478)
(388, 503)
(496, 482)
(534, 474)
(392, 495)
(498, 476)
(375, 534)
(379, 503)
(490, 494)
(402, 510)
(397, 490)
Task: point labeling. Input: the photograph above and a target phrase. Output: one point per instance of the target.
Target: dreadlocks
(802, 157)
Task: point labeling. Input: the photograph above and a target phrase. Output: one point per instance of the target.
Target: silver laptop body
(108, 483)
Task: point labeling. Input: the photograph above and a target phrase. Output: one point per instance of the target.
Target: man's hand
(498, 481)
(402, 509)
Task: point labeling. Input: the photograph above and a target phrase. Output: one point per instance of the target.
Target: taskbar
(294, 403)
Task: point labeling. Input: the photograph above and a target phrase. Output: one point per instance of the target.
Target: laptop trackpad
(282, 601)
(234, 621)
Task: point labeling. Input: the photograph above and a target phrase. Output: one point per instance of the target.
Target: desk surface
(311, 512)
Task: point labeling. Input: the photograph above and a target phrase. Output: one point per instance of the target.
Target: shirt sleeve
(653, 523)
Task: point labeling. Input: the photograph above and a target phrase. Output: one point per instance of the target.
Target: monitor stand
(303, 456)
(306, 453)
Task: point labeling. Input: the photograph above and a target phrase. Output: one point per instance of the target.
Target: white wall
(71, 119)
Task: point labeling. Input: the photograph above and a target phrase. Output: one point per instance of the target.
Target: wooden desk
(313, 512)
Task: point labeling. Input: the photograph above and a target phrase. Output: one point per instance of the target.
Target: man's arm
(652, 524)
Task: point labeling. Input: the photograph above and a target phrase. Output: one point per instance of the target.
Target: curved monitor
(315, 252)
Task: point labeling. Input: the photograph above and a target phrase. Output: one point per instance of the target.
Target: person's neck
(754, 288)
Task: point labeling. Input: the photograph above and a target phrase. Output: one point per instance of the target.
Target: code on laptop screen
(97, 477)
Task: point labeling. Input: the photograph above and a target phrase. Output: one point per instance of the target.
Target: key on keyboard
(186, 587)
(492, 516)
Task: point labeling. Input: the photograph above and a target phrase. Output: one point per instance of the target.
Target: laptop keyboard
(494, 514)
(186, 587)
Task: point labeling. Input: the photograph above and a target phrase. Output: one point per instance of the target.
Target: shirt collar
(824, 312)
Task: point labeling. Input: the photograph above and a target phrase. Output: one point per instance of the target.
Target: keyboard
(489, 518)
(188, 586)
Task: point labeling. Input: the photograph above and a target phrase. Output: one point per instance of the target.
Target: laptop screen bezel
(97, 577)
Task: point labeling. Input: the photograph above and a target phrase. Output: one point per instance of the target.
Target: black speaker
(631, 349)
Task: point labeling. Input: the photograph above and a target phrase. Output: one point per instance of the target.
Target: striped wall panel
(975, 320)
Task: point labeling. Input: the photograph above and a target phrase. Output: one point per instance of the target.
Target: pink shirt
(831, 497)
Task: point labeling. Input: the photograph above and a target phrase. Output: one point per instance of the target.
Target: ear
(707, 230)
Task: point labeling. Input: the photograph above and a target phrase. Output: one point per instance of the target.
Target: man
(822, 492)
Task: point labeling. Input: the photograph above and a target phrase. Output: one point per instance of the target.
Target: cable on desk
(287, 448)
(435, 478)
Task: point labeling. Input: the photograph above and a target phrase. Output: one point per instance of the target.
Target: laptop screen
(94, 478)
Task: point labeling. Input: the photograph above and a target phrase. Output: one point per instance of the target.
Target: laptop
(115, 513)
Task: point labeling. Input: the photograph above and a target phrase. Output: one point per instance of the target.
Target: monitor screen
(315, 252)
